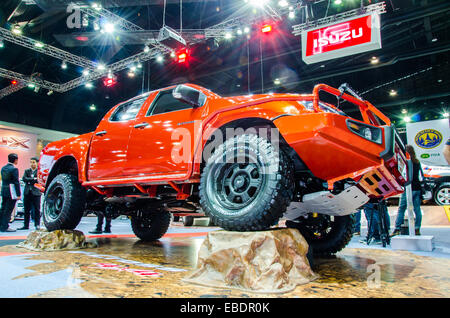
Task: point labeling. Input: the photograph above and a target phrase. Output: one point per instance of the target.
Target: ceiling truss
(216, 31)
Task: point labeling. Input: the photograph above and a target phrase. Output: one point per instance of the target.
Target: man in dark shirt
(31, 197)
(10, 176)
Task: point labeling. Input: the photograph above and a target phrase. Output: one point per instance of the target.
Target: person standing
(357, 228)
(31, 197)
(10, 181)
(98, 228)
(416, 196)
(373, 216)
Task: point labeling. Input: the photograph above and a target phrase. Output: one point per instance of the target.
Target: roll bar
(367, 109)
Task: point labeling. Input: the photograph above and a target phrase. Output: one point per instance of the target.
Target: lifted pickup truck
(242, 160)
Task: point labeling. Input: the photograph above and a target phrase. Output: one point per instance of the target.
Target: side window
(165, 103)
(129, 110)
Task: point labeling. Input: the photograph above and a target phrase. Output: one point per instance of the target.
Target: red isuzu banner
(348, 37)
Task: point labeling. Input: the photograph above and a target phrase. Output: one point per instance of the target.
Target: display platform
(123, 266)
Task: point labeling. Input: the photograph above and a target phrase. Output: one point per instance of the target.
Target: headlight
(366, 131)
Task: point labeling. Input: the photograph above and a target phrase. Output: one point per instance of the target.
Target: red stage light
(14, 82)
(182, 56)
(82, 38)
(266, 28)
(109, 82)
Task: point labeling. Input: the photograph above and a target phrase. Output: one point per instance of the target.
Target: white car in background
(438, 177)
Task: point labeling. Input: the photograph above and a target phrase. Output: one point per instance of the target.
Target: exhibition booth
(224, 150)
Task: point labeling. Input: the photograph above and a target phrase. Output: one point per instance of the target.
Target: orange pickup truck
(244, 161)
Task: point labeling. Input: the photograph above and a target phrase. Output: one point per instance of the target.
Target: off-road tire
(439, 191)
(337, 238)
(64, 203)
(272, 197)
(151, 227)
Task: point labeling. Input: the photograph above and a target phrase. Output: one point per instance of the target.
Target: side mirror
(189, 95)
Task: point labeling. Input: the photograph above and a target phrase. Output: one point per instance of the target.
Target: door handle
(101, 133)
(141, 125)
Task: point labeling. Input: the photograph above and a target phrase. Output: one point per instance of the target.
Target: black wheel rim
(54, 203)
(236, 185)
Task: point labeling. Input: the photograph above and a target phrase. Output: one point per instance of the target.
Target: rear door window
(165, 103)
(128, 110)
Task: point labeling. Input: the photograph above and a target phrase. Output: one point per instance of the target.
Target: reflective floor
(127, 267)
(123, 266)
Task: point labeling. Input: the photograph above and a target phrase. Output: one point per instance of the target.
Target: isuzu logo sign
(341, 39)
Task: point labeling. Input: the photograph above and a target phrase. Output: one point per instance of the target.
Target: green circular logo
(424, 156)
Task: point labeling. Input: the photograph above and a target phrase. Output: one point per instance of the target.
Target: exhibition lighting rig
(372, 8)
(24, 80)
(92, 69)
(11, 89)
(38, 46)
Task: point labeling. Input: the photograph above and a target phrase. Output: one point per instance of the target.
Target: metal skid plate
(325, 202)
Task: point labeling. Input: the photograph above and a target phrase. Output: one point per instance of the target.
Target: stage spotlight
(96, 6)
(85, 72)
(14, 82)
(228, 35)
(39, 45)
(246, 30)
(283, 3)
(92, 107)
(101, 67)
(96, 26)
(392, 93)
(146, 49)
(257, 3)
(89, 85)
(182, 56)
(64, 65)
(109, 81)
(159, 59)
(407, 119)
(2, 44)
(17, 30)
(109, 27)
(266, 28)
(445, 114)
